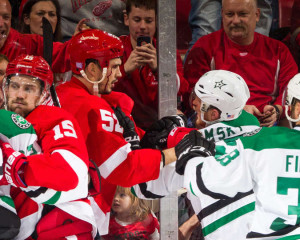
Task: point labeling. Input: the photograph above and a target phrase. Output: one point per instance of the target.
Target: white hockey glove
(157, 135)
(192, 145)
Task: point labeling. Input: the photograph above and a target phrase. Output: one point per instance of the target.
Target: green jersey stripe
(228, 218)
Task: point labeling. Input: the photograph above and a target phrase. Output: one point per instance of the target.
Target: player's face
(113, 73)
(23, 94)
(5, 20)
(239, 20)
(141, 22)
(296, 110)
(122, 203)
(38, 11)
(196, 104)
(3, 65)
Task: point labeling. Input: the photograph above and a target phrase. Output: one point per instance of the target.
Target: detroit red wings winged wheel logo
(101, 7)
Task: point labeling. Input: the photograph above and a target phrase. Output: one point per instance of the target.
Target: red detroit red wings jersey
(60, 138)
(32, 44)
(138, 230)
(103, 135)
(59, 174)
(266, 64)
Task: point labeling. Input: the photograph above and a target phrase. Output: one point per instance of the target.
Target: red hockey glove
(95, 179)
(13, 165)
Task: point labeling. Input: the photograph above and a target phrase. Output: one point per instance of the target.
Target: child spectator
(131, 218)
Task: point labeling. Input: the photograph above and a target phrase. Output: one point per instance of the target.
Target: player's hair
(3, 57)
(27, 10)
(138, 206)
(148, 4)
(255, 2)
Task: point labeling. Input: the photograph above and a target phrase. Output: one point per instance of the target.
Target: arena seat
(184, 34)
(285, 12)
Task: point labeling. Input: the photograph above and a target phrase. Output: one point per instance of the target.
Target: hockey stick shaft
(47, 53)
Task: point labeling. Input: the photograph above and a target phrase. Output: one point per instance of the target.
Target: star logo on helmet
(219, 84)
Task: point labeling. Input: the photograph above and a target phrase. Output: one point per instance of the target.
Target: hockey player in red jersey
(58, 174)
(105, 119)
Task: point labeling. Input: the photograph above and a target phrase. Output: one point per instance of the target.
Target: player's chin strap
(288, 117)
(95, 84)
(203, 109)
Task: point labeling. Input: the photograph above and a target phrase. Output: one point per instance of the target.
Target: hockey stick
(47, 52)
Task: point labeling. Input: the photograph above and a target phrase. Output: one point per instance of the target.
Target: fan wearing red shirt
(265, 64)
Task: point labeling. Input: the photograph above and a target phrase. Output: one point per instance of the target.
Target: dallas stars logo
(220, 84)
(20, 121)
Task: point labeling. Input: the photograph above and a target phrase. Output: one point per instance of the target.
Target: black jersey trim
(224, 200)
(146, 193)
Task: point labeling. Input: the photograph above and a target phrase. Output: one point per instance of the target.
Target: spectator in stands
(131, 218)
(106, 15)
(265, 64)
(205, 18)
(3, 65)
(13, 43)
(139, 70)
(34, 11)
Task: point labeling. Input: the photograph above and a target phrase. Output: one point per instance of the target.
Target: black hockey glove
(157, 135)
(192, 145)
(129, 133)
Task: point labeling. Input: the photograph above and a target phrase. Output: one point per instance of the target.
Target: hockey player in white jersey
(220, 98)
(292, 102)
(267, 161)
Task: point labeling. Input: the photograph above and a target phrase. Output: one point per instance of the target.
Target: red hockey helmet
(34, 66)
(93, 44)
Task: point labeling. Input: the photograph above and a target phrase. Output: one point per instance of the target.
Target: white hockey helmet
(224, 90)
(292, 94)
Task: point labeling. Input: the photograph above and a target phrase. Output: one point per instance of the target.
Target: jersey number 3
(283, 184)
(64, 129)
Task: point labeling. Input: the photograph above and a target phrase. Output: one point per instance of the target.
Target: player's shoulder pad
(120, 99)
(47, 117)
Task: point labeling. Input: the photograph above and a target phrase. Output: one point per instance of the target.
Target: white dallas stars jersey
(217, 217)
(267, 162)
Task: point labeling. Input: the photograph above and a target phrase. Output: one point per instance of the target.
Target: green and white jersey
(246, 122)
(217, 217)
(19, 133)
(266, 161)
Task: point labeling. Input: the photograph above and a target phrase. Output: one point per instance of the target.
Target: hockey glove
(129, 133)
(157, 135)
(94, 179)
(192, 145)
(13, 166)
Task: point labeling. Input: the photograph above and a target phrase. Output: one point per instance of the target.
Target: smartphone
(142, 40)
